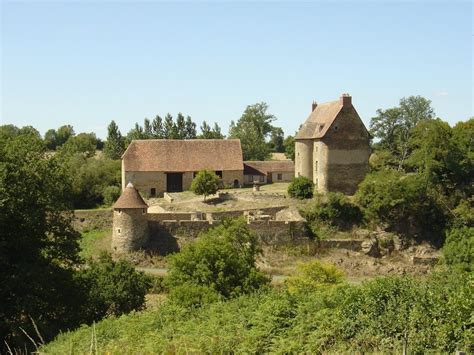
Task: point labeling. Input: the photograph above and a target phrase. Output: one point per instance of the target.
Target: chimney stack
(345, 100)
(313, 105)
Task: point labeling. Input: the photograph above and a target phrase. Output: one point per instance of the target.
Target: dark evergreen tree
(190, 128)
(115, 144)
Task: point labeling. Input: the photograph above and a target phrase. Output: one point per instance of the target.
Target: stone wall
(86, 220)
(144, 181)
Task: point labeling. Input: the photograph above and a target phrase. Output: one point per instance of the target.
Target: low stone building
(332, 147)
(268, 171)
(155, 166)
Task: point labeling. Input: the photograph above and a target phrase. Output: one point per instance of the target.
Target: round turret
(130, 222)
(304, 158)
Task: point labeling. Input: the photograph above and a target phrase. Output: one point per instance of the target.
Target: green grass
(92, 243)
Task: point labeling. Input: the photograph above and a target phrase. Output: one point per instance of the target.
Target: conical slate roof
(130, 198)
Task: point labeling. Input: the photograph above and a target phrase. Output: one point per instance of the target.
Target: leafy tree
(190, 128)
(301, 187)
(190, 295)
(113, 287)
(253, 144)
(458, 250)
(111, 194)
(210, 133)
(403, 202)
(180, 126)
(222, 259)
(205, 183)
(157, 127)
(51, 139)
(393, 126)
(147, 129)
(252, 129)
(115, 145)
(276, 140)
(289, 144)
(38, 245)
(169, 128)
(63, 134)
(83, 143)
(135, 133)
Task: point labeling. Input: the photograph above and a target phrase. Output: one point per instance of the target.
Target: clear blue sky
(87, 62)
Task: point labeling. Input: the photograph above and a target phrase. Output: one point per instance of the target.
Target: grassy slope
(93, 242)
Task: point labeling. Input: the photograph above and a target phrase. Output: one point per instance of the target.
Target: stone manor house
(331, 148)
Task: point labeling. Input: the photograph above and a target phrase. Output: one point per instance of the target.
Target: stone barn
(332, 147)
(155, 166)
(268, 171)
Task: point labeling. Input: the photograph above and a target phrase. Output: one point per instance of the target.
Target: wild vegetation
(215, 299)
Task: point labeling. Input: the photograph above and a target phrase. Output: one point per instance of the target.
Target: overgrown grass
(94, 242)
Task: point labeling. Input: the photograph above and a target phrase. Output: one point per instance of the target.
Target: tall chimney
(345, 100)
(313, 105)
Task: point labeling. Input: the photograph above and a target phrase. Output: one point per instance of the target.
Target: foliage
(458, 250)
(210, 133)
(222, 259)
(111, 194)
(93, 242)
(313, 275)
(380, 316)
(113, 287)
(404, 203)
(90, 178)
(301, 187)
(253, 127)
(393, 126)
(83, 143)
(190, 295)
(335, 209)
(289, 145)
(114, 146)
(276, 140)
(38, 245)
(205, 183)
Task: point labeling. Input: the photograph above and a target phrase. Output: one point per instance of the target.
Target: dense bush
(191, 295)
(222, 259)
(334, 209)
(458, 250)
(313, 275)
(113, 287)
(111, 194)
(404, 203)
(301, 187)
(205, 183)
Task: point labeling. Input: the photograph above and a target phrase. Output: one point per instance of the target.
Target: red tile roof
(268, 166)
(172, 155)
(319, 121)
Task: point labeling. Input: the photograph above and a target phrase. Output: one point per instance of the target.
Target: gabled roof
(130, 198)
(268, 166)
(319, 121)
(173, 155)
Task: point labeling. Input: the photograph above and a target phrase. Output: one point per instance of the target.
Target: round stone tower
(304, 158)
(130, 222)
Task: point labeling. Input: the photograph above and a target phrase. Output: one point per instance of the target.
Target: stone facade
(332, 148)
(130, 229)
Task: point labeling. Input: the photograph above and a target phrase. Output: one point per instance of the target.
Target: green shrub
(222, 259)
(404, 203)
(301, 187)
(191, 295)
(205, 183)
(111, 194)
(313, 275)
(113, 287)
(334, 209)
(458, 250)
(157, 284)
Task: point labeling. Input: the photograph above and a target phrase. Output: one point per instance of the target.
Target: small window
(153, 192)
(336, 128)
(219, 173)
(279, 177)
(118, 230)
(316, 148)
(316, 166)
(262, 178)
(144, 211)
(119, 211)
